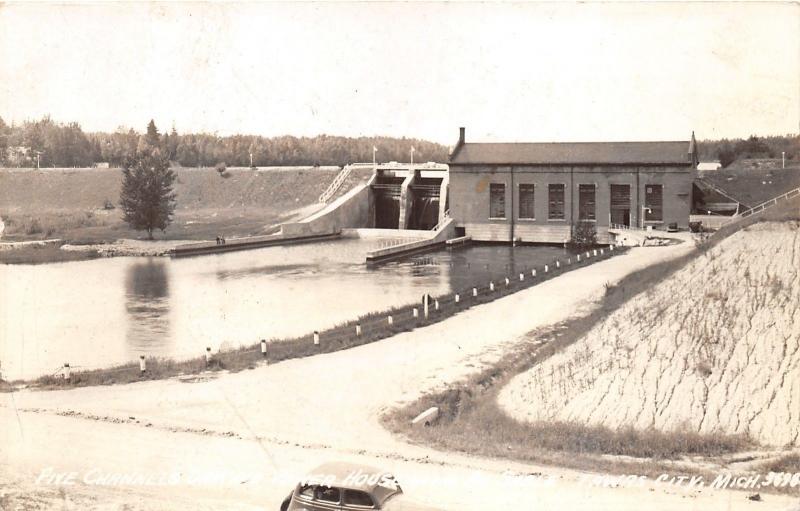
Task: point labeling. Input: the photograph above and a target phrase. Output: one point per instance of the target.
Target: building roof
(575, 153)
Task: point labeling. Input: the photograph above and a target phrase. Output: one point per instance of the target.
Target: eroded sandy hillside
(713, 348)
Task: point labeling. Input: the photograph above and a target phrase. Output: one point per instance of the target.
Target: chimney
(459, 145)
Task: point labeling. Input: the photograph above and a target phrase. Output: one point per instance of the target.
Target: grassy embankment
(80, 206)
(374, 327)
(471, 420)
(755, 181)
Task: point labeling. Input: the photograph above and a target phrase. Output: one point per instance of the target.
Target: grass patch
(471, 421)
(789, 463)
(44, 253)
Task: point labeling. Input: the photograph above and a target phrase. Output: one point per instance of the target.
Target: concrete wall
(355, 209)
(469, 198)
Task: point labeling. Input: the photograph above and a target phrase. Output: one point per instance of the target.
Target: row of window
(555, 201)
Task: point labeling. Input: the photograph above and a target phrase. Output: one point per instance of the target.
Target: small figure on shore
(218, 240)
(222, 238)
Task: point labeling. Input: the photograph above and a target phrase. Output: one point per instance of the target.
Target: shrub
(107, 205)
(584, 234)
(221, 167)
(34, 227)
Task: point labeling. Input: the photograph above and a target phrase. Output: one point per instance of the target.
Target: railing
(335, 185)
(623, 227)
(766, 205)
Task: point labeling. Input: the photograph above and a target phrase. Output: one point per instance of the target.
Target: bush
(34, 227)
(584, 234)
(221, 167)
(107, 205)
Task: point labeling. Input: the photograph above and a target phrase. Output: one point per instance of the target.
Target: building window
(586, 202)
(555, 195)
(497, 200)
(653, 203)
(526, 202)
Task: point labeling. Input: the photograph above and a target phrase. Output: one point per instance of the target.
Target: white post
(521, 277)
(316, 338)
(208, 355)
(474, 291)
(545, 268)
(558, 264)
(458, 298)
(579, 258)
(436, 305)
(390, 320)
(264, 348)
(783, 159)
(66, 371)
(358, 330)
(426, 305)
(142, 366)
(533, 273)
(611, 248)
(416, 312)
(508, 281)
(491, 286)
(594, 252)
(601, 251)
(588, 254)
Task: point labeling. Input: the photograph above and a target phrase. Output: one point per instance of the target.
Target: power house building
(537, 192)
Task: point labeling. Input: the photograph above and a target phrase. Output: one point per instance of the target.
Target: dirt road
(254, 432)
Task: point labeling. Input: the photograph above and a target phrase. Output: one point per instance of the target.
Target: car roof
(353, 476)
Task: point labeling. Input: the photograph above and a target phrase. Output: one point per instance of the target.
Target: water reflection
(147, 306)
(111, 311)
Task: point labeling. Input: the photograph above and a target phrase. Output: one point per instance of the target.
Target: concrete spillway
(397, 197)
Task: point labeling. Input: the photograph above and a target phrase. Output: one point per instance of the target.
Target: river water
(107, 311)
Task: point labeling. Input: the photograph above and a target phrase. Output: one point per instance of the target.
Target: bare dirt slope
(714, 348)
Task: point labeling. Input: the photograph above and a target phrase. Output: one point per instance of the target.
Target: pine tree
(152, 137)
(147, 198)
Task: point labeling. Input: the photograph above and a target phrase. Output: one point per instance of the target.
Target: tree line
(67, 145)
(729, 150)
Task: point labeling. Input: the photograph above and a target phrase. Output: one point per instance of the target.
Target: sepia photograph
(399, 255)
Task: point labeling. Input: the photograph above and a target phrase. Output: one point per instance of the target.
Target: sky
(505, 71)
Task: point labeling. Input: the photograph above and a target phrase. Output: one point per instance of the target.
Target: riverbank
(58, 251)
(368, 328)
(79, 207)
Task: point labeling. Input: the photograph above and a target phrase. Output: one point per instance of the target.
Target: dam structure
(406, 204)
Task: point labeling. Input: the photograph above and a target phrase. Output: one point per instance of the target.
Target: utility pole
(783, 159)
(374, 151)
(251, 160)
(38, 153)
(412, 155)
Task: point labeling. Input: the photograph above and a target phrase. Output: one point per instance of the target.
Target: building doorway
(621, 205)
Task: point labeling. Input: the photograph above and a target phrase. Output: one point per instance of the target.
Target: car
(349, 487)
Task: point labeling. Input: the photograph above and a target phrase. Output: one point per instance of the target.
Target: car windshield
(307, 491)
